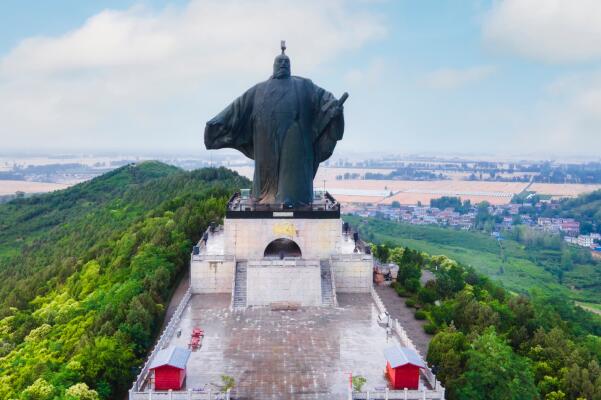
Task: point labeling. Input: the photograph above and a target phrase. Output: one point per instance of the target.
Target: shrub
(401, 291)
(430, 328)
(410, 302)
(426, 295)
(412, 285)
(358, 382)
(419, 314)
(227, 383)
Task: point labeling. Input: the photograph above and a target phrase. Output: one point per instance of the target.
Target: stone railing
(161, 344)
(376, 298)
(406, 341)
(213, 257)
(423, 394)
(286, 262)
(180, 395)
(351, 257)
(233, 285)
(333, 279)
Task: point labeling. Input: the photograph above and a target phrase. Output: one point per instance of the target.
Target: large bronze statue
(288, 125)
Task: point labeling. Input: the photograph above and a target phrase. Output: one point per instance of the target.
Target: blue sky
(513, 77)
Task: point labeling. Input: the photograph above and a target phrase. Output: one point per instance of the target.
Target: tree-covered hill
(585, 208)
(523, 261)
(85, 274)
(491, 344)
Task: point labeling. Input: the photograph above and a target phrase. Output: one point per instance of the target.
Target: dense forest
(86, 274)
(490, 344)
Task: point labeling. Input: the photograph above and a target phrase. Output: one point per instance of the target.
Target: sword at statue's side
(326, 122)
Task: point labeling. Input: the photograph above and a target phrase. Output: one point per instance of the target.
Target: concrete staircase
(239, 301)
(328, 297)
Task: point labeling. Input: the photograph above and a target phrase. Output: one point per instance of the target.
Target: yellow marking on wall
(284, 228)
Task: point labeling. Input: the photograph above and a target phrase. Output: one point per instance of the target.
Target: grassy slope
(517, 272)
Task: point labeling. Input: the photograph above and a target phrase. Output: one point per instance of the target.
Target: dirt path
(397, 309)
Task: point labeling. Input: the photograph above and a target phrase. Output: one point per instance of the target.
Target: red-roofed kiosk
(169, 367)
(402, 367)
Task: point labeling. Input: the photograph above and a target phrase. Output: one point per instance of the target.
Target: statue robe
(288, 126)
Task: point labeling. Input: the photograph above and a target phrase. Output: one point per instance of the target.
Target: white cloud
(113, 72)
(452, 78)
(567, 118)
(547, 30)
(369, 75)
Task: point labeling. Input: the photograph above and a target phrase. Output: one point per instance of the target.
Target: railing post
(170, 394)
(189, 394)
(386, 394)
(406, 394)
(423, 394)
(367, 397)
(210, 394)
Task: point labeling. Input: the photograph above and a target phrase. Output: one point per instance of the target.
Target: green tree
(447, 354)
(381, 252)
(81, 391)
(39, 390)
(495, 372)
(410, 264)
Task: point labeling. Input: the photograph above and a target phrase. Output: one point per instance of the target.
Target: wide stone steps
(327, 294)
(240, 286)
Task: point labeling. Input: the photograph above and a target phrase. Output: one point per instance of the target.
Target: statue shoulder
(300, 79)
(305, 83)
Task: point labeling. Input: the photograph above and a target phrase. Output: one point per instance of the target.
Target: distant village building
(569, 226)
(590, 241)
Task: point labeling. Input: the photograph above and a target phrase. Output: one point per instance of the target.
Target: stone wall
(212, 275)
(317, 238)
(289, 280)
(352, 273)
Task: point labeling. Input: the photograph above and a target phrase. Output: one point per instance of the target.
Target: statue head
(281, 64)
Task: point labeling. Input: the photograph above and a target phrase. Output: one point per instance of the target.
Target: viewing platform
(241, 205)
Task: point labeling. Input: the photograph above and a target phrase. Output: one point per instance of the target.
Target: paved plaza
(303, 354)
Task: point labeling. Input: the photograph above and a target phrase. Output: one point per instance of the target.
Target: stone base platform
(214, 267)
(302, 354)
(295, 281)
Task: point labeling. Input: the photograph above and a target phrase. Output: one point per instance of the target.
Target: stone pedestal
(243, 257)
(283, 281)
(247, 239)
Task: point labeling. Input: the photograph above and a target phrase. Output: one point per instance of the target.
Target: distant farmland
(11, 187)
(382, 191)
(411, 192)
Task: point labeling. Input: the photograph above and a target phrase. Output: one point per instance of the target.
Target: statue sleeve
(232, 127)
(328, 127)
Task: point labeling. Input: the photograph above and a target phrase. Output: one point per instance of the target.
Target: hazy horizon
(203, 154)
